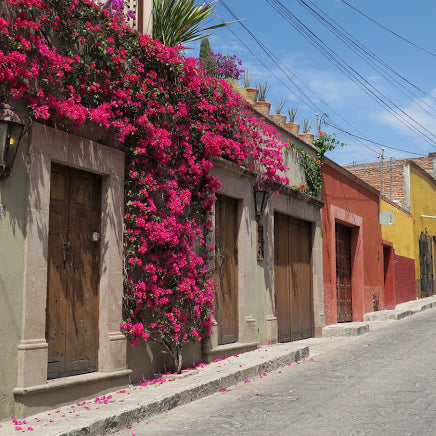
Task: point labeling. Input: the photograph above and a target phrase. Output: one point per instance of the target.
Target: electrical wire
(353, 74)
(274, 59)
(373, 142)
(383, 68)
(286, 71)
(389, 30)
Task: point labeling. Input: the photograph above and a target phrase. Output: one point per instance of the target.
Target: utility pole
(381, 169)
(390, 170)
(381, 181)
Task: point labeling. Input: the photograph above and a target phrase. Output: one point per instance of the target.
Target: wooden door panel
(343, 273)
(85, 218)
(57, 272)
(282, 277)
(74, 265)
(305, 295)
(293, 278)
(226, 269)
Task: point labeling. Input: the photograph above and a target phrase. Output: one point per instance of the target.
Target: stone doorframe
(355, 222)
(305, 208)
(49, 145)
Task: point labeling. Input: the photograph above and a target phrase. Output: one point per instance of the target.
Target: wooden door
(73, 271)
(426, 264)
(226, 268)
(293, 278)
(343, 273)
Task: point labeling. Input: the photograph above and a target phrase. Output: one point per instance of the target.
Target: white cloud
(422, 112)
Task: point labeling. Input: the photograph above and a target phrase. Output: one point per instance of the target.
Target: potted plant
(306, 135)
(292, 125)
(278, 117)
(250, 94)
(262, 105)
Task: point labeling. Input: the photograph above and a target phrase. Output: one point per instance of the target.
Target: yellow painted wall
(401, 232)
(423, 202)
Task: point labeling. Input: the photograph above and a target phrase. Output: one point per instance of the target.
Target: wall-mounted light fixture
(260, 200)
(11, 132)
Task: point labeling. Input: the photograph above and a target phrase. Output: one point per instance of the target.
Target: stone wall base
(63, 391)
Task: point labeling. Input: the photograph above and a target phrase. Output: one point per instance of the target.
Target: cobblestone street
(382, 383)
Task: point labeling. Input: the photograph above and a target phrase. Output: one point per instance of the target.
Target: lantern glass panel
(3, 142)
(15, 131)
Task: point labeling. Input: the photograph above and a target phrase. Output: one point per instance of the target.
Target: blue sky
(329, 90)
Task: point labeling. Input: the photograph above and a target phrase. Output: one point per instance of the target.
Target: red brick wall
(371, 174)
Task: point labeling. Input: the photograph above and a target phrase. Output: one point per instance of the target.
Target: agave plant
(278, 107)
(178, 21)
(292, 113)
(247, 78)
(263, 88)
(307, 126)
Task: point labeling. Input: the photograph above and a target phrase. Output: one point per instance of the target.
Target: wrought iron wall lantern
(260, 200)
(11, 132)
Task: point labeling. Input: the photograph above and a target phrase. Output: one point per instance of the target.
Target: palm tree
(178, 21)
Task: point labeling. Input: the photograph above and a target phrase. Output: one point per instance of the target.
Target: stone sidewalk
(111, 412)
(371, 319)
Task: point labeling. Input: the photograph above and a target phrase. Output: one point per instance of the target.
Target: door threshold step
(227, 350)
(345, 329)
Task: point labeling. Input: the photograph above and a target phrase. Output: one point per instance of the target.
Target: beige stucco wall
(256, 302)
(295, 172)
(27, 347)
(12, 235)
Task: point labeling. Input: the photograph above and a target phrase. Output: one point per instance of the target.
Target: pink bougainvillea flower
(173, 121)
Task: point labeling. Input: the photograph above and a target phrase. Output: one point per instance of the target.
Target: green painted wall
(12, 235)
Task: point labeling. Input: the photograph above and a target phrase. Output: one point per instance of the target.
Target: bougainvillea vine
(74, 63)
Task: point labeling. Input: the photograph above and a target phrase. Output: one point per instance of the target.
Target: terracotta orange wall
(352, 204)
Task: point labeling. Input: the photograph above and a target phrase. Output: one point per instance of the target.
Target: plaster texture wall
(256, 297)
(302, 207)
(401, 232)
(12, 236)
(32, 391)
(404, 273)
(354, 204)
(422, 202)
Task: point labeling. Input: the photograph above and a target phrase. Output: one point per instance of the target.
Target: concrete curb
(345, 329)
(402, 310)
(158, 399)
